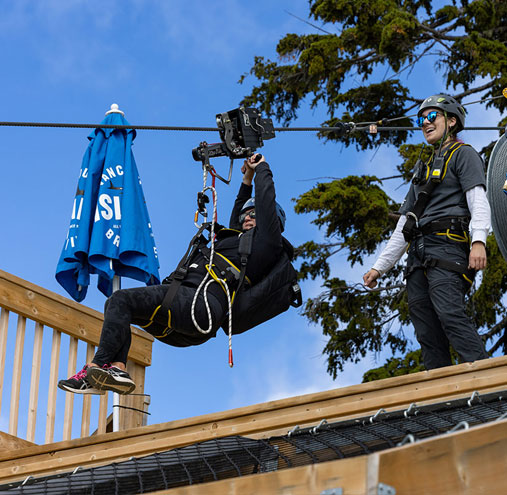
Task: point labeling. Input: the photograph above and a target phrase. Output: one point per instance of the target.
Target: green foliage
(410, 154)
(467, 43)
(410, 363)
(353, 211)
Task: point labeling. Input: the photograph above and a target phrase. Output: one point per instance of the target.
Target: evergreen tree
(467, 42)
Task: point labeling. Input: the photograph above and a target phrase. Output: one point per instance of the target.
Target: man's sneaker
(111, 378)
(79, 383)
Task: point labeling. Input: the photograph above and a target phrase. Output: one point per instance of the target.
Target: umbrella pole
(116, 397)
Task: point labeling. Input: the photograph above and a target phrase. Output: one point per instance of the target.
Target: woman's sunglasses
(249, 213)
(431, 117)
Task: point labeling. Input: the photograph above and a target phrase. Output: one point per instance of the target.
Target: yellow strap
(455, 237)
(215, 277)
(233, 265)
(451, 151)
(166, 329)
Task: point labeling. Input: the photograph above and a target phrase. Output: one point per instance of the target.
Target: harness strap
(454, 224)
(452, 266)
(434, 176)
(176, 278)
(244, 249)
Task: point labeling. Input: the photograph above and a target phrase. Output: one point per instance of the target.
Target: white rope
(205, 282)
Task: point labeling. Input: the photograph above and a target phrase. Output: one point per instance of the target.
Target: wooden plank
(348, 474)
(129, 418)
(4, 324)
(34, 382)
(258, 420)
(52, 387)
(69, 317)
(69, 397)
(87, 399)
(9, 443)
(102, 420)
(16, 375)
(466, 462)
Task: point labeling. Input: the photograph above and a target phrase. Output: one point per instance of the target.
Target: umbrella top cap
(115, 109)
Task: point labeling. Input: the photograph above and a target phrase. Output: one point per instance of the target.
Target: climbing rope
(211, 275)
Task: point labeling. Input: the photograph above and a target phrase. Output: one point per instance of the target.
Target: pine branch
(475, 90)
(501, 324)
(439, 34)
(497, 345)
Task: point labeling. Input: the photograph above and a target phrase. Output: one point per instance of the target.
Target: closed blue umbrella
(110, 231)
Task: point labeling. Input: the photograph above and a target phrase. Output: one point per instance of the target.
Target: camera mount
(242, 131)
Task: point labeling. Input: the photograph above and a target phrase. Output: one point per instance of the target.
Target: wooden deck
(277, 417)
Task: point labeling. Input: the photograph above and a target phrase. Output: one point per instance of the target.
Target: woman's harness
(455, 228)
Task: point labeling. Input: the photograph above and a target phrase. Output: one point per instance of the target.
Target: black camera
(242, 131)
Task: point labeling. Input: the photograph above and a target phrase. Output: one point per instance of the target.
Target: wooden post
(69, 398)
(16, 376)
(34, 382)
(102, 423)
(53, 378)
(130, 418)
(4, 324)
(87, 400)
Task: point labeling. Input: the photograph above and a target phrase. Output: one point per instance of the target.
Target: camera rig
(242, 131)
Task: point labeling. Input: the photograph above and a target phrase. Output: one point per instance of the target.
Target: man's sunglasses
(431, 117)
(249, 213)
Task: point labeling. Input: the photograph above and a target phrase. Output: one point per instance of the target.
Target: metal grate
(238, 456)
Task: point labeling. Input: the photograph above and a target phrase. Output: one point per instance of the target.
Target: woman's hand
(370, 278)
(477, 259)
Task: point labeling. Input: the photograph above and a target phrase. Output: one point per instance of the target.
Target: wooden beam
(348, 474)
(9, 443)
(466, 462)
(60, 313)
(261, 420)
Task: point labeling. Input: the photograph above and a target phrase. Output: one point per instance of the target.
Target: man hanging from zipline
(183, 312)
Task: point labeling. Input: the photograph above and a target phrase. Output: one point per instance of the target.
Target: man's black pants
(136, 306)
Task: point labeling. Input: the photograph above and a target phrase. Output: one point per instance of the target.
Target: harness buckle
(180, 273)
(430, 262)
(411, 214)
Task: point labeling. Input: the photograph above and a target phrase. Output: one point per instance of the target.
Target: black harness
(451, 226)
(268, 298)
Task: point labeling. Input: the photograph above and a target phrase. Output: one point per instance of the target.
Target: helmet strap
(445, 136)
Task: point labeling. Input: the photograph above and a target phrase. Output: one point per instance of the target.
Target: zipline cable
(354, 127)
(349, 127)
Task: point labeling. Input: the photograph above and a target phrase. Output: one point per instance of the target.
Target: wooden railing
(53, 322)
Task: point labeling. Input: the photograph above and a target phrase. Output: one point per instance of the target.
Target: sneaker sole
(88, 391)
(102, 380)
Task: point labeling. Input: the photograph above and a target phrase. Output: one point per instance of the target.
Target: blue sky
(165, 63)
